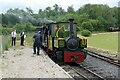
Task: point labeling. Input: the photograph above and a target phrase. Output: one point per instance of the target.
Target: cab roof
(59, 23)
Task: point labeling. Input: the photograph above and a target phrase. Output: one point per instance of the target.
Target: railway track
(105, 58)
(79, 72)
(94, 67)
(98, 68)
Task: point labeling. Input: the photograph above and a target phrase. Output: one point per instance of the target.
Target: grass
(29, 39)
(0, 44)
(5, 42)
(107, 41)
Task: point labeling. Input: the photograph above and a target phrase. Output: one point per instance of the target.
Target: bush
(19, 27)
(6, 31)
(27, 27)
(87, 26)
(86, 33)
(78, 28)
(6, 42)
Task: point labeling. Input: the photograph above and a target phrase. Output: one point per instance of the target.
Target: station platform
(22, 63)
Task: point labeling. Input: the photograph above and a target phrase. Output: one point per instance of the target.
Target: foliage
(6, 42)
(94, 17)
(27, 27)
(70, 9)
(29, 38)
(96, 24)
(85, 33)
(87, 25)
(6, 31)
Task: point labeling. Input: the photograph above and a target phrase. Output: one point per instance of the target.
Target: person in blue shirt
(37, 42)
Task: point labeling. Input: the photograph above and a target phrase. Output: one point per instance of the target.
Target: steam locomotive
(60, 41)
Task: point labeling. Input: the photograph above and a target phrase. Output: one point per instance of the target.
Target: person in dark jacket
(37, 42)
(22, 38)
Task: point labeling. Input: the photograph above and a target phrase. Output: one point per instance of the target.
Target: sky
(35, 5)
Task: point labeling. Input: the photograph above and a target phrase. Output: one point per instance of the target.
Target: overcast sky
(35, 5)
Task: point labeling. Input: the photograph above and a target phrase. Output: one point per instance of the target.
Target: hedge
(86, 33)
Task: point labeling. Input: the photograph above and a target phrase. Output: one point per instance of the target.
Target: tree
(95, 24)
(70, 9)
(0, 19)
(29, 10)
(56, 7)
(97, 17)
(62, 11)
(9, 19)
(56, 11)
(48, 12)
(40, 10)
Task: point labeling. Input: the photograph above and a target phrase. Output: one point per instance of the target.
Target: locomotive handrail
(59, 23)
(61, 38)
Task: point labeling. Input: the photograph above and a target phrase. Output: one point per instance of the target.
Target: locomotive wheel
(59, 55)
(52, 56)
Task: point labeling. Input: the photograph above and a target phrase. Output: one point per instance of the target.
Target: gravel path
(21, 63)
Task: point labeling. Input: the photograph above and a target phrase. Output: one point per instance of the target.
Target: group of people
(13, 35)
(37, 38)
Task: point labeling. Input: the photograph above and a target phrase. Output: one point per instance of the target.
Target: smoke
(45, 20)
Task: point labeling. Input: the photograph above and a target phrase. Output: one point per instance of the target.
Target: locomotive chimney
(71, 26)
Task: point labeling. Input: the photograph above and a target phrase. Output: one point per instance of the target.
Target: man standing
(37, 42)
(13, 35)
(22, 38)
